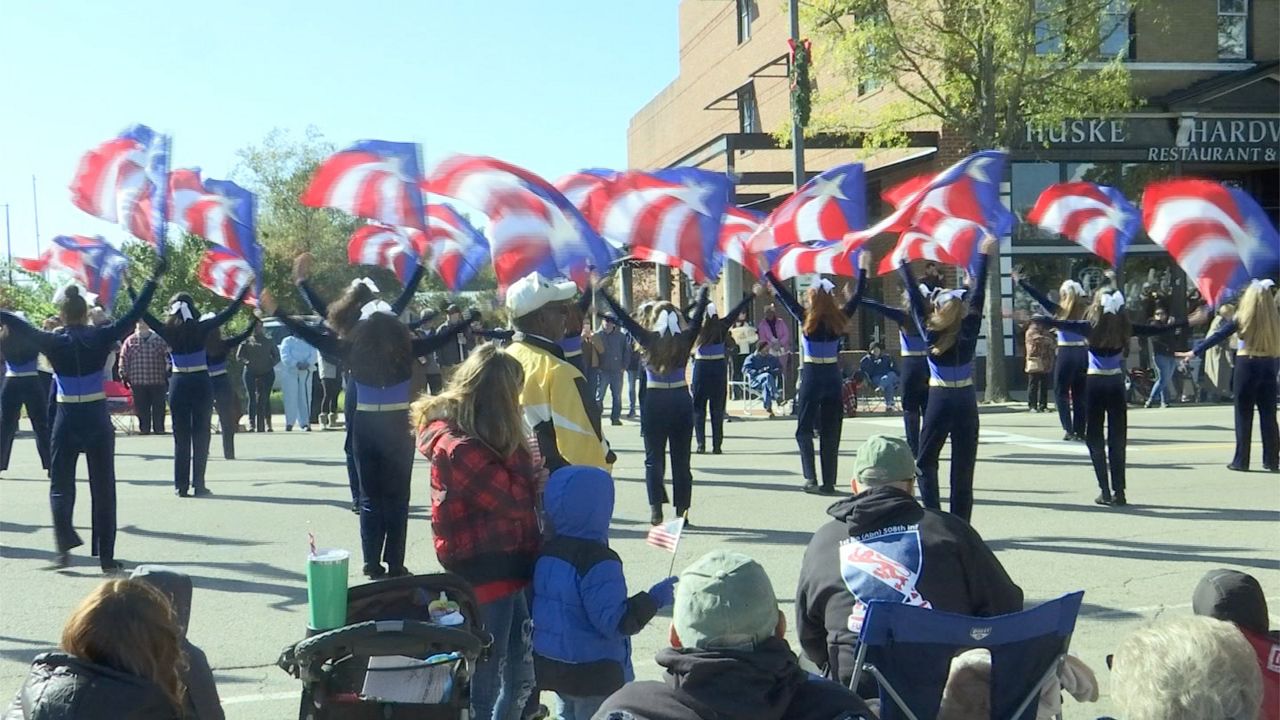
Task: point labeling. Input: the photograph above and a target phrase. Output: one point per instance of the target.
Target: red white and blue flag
(825, 208)
(393, 248)
(532, 225)
(967, 192)
(667, 535)
(829, 258)
(225, 274)
(456, 249)
(120, 181)
(1218, 235)
(1096, 217)
(578, 189)
(91, 261)
(373, 179)
(674, 214)
(913, 245)
(219, 211)
(738, 227)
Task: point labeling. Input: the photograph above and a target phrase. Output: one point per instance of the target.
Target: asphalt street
(245, 547)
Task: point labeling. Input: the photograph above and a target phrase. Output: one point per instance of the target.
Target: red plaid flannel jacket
(483, 508)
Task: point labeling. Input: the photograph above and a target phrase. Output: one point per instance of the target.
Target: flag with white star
(823, 209)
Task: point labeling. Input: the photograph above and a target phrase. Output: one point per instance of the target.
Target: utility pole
(797, 131)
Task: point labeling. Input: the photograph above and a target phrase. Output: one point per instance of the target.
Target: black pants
(1106, 403)
(257, 389)
(666, 423)
(349, 421)
(383, 450)
(148, 405)
(84, 428)
(952, 412)
(317, 398)
(819, 405)
(1037, 391)
(228, 406)
(915, 397)
(710, 388)
(1069, 392)
(1255, 388)
(16, 393)
(329, 405)
(191, 405)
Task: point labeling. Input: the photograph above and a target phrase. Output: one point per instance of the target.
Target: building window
(1048, 34)
(1233, 29)
(745, 12)
(1116, 30)
(748, 110)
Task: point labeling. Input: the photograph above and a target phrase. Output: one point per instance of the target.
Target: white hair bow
(374, 307)
(1265, 283)
(824, 285)
(207, 316)
(180, 307)
(1113, 303)
(927, 291)
(668, 323)
(712, 311)
(1071, 286)
(942, 297)
(365, 282)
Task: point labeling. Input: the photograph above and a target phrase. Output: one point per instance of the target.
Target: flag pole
(683, 521)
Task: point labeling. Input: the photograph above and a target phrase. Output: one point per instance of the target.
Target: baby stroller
(390, 645)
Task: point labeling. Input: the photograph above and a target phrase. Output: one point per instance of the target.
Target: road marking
(997, 437)
(262, 697)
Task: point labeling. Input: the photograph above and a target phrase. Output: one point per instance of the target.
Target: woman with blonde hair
(484, 517)
(818, 402)
(1071, 367)
(666, 409)
(951, 324)
(1108, 330)
(120, 656)
(1257, 323)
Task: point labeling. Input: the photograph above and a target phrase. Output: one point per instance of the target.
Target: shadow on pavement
(1136, 507)
(1132, 550)
(187, 537)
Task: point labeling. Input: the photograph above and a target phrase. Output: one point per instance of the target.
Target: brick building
(1206, 71)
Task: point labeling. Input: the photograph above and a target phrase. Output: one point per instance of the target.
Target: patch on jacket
(884, 565)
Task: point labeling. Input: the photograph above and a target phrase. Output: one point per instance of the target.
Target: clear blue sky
(547, 84)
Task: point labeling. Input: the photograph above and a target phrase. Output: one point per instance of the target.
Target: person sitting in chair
(762, 371)
(881, 372)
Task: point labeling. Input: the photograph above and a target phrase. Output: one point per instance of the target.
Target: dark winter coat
(202, 692)
(762, 684)
(64, 687)
(880, 538)
(583, 619)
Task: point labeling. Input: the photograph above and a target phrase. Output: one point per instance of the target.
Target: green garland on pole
(801, 86)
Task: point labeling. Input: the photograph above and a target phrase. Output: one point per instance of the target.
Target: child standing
(1039, 366)
(583, 619)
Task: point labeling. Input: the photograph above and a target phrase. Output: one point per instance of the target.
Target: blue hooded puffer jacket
(582, 617)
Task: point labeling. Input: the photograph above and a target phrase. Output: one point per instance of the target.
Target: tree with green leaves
(981, 71)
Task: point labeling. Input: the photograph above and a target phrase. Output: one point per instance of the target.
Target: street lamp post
(797, 131)
(8, 242)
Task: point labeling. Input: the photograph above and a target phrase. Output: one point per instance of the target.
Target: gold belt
(573, 353)
(708, 357)
(914, 353)
(91, 397)
(1073, 343)
(666, 385)
(821, 361)
(216, 373)
(935, 382)
(383, 407)
(190, 369)
(1104, 371)
(11, 373)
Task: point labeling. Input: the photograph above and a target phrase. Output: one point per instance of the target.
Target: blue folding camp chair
(908, 649)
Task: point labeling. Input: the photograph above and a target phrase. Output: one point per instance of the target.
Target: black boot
(1104, 498)
(811, 487)
(1119, 500)
(655, 514)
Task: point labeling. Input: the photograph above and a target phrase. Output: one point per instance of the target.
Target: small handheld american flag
(667, 535)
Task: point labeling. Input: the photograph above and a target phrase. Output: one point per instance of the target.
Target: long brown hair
(482, 400)
(824, 314)
(667, 352)
(130, 626)
(945, 321)
(1109, 331)
(344, 312)
(1259, 321)
(383, 350)
(73, 310)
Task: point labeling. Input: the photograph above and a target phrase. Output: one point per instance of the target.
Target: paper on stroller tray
(396, 678)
